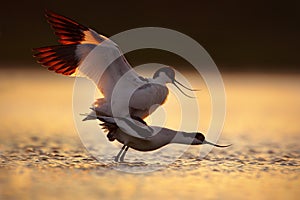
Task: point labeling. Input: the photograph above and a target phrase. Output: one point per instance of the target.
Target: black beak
(174, 82)
(184, 86)
(216, 145)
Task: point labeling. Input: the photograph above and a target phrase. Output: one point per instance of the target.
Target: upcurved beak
(175, 81)
(216, 145)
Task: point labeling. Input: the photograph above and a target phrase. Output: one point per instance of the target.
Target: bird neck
(184, 138)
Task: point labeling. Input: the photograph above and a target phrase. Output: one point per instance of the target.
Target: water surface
(41, 155)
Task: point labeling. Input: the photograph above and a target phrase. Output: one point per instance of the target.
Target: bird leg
(120, 152)
(123, 155)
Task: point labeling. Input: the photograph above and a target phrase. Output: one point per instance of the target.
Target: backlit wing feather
(84, 52)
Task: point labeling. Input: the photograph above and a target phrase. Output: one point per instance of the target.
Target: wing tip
(48, 11)
(54, 58)
(67, 30)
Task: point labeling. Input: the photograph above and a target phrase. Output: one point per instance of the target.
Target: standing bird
(162, 137)
(105, 67)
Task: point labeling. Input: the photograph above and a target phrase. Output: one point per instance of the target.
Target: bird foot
(116, 159)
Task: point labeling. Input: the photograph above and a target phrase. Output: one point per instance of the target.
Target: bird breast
(143, 101)
(148, 95)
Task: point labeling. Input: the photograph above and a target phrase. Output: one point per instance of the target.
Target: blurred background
(255, 45)
(239, 35)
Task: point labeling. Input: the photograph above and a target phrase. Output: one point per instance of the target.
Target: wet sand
(41, 155)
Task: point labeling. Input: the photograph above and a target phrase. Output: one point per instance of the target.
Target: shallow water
(41, 155)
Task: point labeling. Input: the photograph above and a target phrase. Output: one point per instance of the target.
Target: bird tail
(109, 125)
(89, 116)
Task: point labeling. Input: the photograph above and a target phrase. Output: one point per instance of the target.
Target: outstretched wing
(71, 32)
(76, 56)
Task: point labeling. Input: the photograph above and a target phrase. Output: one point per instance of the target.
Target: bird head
(167, 74)
(200, 139)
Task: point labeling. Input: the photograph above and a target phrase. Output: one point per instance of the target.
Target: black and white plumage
(84, 52)
(160, 138)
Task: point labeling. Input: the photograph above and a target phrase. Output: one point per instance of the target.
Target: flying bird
(158, 139)
(105, 67)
